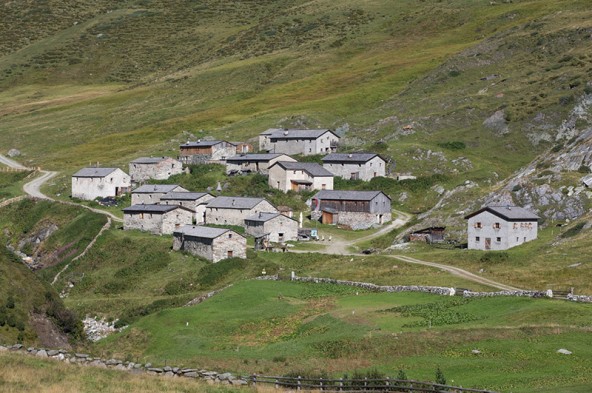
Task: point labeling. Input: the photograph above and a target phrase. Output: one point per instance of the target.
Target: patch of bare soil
(49, 334)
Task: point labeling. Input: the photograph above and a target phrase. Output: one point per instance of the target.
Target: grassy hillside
(288, 328)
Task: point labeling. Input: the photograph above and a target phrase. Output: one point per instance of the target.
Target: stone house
(258, 163)
(213, 244)
(500, 227)
(274, 226)
(225, 210)
(151, 193)
(353, 209)
(354, 166)
(157, 219)
(194, 201)
(202, 151)
(305, 142)
(92, 183)
(158, 168)
(428, 235)
(299, 176)
(243, 147)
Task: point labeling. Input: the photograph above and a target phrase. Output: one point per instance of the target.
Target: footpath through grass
(282, 327)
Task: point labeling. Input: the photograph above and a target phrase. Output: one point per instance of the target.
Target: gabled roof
(351, 157)
(94, 172)
(339, 195)
(284, 133)
(202, 231)
(255, 157)
(150, 160)
(203, 143)
(264, 217)
(508, 213)
(155, 188)
(312, 168)
(155, 209)
(225, 202)
(185, 196)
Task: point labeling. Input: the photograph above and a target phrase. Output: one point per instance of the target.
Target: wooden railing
(359, 385)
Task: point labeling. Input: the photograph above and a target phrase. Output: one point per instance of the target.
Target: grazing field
(284, 328)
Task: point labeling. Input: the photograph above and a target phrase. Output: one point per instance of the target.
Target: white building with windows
(305, 142)
(355, 166)
(500, 227)
(92, 183)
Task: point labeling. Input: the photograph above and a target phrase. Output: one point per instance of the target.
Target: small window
(323, 186)
(230, 235)
(229, 253)
(498, 239)
(477, 239)
(496, 225)
(478, 225)
(517, 239)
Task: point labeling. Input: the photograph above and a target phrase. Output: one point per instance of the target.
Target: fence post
(277, 384)
(321, 383)
(341, 384)
(254, 378)
(387, 383)
(298, 383)
(365, 383)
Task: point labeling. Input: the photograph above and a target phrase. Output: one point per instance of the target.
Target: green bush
(494, 257)
(584, 169)
(573, 231)
(455, 145)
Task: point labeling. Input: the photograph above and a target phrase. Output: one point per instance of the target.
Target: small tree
(440, 379)
(401, 375)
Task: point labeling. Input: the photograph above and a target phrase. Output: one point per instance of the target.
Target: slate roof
(312, 168)
(94, 172)
(351, 157)
(201, 231)
(149, 160)
(156, 209)
(152, 188)
(262, 217)
(255, 157)
(508, 213)
(282, 133)
(185, 196)
(225, 202)
(202, 143)
(340, 195)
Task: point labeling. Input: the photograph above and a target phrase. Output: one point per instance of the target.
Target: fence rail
(359, 385)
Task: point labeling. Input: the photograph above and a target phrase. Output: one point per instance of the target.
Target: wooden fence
(359, 385)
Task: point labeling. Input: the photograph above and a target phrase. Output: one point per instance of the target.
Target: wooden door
(488, 243)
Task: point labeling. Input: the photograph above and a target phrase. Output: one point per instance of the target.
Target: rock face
(497, 123)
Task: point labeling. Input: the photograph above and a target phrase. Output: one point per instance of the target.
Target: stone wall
(229, 242)
(83, 359)
(532, 294)
(366, 171)
(158, 224)
(361, 220)
(225, 216)
(162, 170)
(90, 188)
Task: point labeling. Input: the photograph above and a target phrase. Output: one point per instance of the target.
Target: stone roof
(255, 157)
(185, 196)
(262, 217)
(312, 168)
(150, 160)
(94, 172)
(347, 195)
(155, 188)
(508, 213)
(156, 209)
(351, 157)
(225, 202)
(202, 143)
(283, 133)
(201, 231)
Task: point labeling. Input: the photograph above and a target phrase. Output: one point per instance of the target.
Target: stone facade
(276, 226)
(194, 201)
(92, 183)
(258, 163)
(158, 168)
(234, 210)
(151, 193)
(156, 219)
(305, 142)
(352, 209)
(213, 244)
(500, 228)
(299, 176)
(362, 166)
(202, 151)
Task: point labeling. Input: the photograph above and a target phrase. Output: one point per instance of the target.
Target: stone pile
(97, 329)
(135, 368)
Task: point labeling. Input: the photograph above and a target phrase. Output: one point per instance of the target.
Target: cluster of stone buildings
(187, 215)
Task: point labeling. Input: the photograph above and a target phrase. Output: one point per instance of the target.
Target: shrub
(573, 231)
(455, 145)
(584, 169)
(440, 379)
(494, 257)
